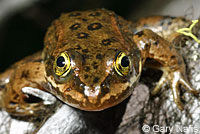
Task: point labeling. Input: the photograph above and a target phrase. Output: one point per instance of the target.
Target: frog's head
(93, 82)
(90, 67)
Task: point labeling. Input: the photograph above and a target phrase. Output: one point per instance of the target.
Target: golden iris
(62, 65)
(122, 64)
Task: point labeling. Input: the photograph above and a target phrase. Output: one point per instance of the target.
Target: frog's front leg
(25, 76)
(155, 47)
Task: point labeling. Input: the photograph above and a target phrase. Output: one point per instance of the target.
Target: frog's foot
(175, 79)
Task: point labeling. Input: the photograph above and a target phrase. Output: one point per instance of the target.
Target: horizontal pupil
(60, 61)
(125, 61)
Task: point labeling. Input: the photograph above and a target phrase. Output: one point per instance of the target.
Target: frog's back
(88, 31)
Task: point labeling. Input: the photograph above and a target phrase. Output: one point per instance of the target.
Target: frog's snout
(92, 92)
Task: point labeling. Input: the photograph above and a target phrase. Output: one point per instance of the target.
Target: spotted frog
(92, 60)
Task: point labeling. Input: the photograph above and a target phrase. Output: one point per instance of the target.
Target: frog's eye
(122, 64)
(62, 65)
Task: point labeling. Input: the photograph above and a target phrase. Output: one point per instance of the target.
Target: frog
(92, 60)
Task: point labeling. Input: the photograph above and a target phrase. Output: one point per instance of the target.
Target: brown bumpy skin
(93, 39)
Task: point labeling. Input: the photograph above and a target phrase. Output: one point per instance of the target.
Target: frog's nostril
(105, 88)
(96, 79)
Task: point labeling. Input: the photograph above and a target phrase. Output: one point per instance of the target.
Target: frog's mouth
(97, 99)
(94, 100)
(79, 95)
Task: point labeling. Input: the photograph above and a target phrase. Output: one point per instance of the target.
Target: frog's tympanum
(92, 60)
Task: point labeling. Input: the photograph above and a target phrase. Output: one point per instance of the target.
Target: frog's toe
(175, 92)
(177, 79)
(189, 88)
(177, 99)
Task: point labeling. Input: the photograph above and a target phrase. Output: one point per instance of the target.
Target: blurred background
(23, 22)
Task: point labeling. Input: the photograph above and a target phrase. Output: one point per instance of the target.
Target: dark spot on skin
(25, 74)
(74, 14)
(87, 68)
(172, 57)
(99, 56)
(139, 34)
(85, 50)
(94, 26)
(94, 63)
(95, 14)
(78, 47)
(75, 26)
(156, 42)
(84, 19)
(95, 66)
(37, 68)
(96, 79)
(36, 72)
(106, 42)
(82, 35)
(85, 76)
(109, 41)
